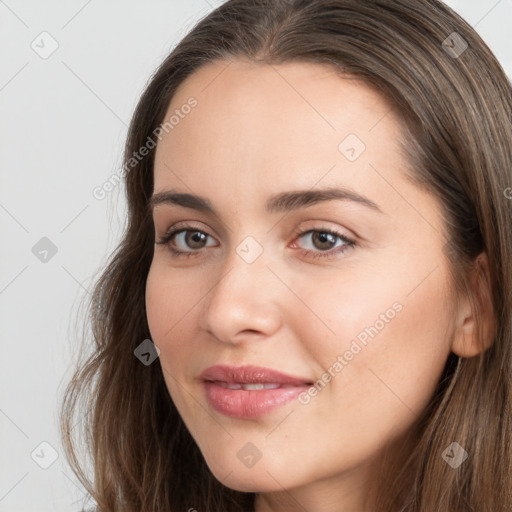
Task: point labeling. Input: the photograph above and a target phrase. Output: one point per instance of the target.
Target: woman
(311, 305)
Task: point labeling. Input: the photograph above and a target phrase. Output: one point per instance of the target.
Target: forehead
(272, 124)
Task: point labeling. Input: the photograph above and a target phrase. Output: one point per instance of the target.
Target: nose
(243, 302)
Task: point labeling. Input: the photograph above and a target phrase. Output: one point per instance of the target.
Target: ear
(470, 339)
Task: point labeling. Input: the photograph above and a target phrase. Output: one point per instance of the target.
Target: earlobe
(475, 329)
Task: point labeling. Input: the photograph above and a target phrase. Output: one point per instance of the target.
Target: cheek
(170, 312)
(379, 336)
(393, 346)
(171, 319)
(159, 303)
(338, 314)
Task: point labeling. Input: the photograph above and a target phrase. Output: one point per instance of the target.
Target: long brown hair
(455, 103)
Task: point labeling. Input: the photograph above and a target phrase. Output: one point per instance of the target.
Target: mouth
(249, 392)
(248, 375)
(252, 386)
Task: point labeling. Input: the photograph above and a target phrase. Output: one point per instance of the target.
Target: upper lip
(250, 375)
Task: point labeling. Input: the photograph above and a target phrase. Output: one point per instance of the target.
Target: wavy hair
(456, 109)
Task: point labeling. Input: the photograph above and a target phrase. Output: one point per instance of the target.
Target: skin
(258, 130)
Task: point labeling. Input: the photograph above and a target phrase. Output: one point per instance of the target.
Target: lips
(248, 391)
(246, 375)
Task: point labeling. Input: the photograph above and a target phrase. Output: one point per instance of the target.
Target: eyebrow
(281, 202)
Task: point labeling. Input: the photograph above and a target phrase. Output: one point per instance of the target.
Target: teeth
(230, 385)
(248, 387)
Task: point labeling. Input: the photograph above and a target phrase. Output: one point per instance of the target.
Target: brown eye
(195, 239)
(323, 240)
(185, 242)
(324, 243)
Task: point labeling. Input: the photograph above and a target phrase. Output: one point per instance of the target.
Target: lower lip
(239, 403)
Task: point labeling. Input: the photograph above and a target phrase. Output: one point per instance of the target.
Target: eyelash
(166, 239)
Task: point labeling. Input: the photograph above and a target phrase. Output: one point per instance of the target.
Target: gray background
(64, 120)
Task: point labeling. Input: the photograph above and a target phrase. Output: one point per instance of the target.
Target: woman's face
(349, 294)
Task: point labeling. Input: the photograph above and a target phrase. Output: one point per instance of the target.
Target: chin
(250, 483)
(244, 479)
